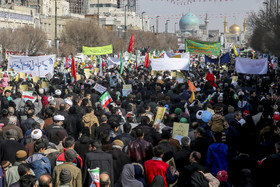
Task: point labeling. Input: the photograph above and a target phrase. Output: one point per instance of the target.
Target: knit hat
(118, 144)
(12, 133)
(36, 134)
(50, 98)
(276, 116)
(246, 113)
(70, 155)
(5, 165)
(2, 124)
(178, 111)
(218, 109)
(222, 176)
(21, 155)
(52, 102)
(65, 176)
(183, 120)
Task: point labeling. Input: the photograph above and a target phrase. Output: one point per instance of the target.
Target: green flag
(121, 60)
(203, 47)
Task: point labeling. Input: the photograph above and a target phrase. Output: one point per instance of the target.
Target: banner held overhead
(103, 50)
(202, 47)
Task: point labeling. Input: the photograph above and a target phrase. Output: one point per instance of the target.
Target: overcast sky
(235, 10)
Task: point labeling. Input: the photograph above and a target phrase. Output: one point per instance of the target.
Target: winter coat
(76, 174)
(217, 158)
(217, 123)
(82, 145)
(140, 151)
(95, 159)
(88, 120)
(39, 163)
(119, 160)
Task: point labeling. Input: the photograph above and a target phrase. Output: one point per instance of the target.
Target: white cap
(41, 90)
(58, 118)
(36, 134)
(50, 98)
(68, 101)
(198, 114)
(57, 92)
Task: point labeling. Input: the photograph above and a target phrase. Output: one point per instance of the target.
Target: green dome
(189, 22)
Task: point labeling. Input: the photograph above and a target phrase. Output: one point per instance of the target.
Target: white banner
(35, 65)
(161, 64)
(101, 89)
(251, 66)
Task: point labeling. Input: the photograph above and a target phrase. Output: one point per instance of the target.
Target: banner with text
(201, 47)
(103, 50)
(251, 66)
(161, 64)
(38, 66)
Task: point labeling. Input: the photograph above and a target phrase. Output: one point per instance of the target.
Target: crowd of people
(56, 138)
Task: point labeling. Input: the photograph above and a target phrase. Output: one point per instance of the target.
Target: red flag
(136, 67)
(131, 43)
(67, 65)
(73, 68)
(147, 60)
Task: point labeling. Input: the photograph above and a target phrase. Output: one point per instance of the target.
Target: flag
(131, 43)
(191, 86)
(235, 51)
(192, 97)
(121, 60)
(105, 99)
(73, 69)
(147, 60)
(136, 66)
(67, 65)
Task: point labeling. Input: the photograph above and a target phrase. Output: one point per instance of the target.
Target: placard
(23, 87)
(45, 84)
(127, 86)
(180, 130)
(160, 114)
(234, 79)
(36, 79)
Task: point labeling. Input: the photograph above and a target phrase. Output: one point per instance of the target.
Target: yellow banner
(160, 114)
(23, 87)
(103, 50)
(234, 79)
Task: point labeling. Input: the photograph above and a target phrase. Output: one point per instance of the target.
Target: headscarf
(157, 182)
(128, 177)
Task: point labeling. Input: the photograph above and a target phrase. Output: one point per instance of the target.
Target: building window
(49, 27)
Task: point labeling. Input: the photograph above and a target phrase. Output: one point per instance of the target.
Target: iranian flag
(105, 99)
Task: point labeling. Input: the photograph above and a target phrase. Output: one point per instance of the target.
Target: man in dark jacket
(140, 150)
(150, 133)
(97, 158)
(8, 148)
(119, 159)
(103, 126)
(27, 124)
(52, 130)
(125, 137)
(74, 123)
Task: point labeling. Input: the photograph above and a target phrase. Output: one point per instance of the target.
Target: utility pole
(175, 28)
(125, 27)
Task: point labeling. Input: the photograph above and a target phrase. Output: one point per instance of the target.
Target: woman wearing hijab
(157, 182)
(128, 177)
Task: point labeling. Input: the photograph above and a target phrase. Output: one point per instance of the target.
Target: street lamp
(166, 26)
(157, 24)
(55, 26)
(142, 20)
(125, 17)
(266, 4)
(175, 28)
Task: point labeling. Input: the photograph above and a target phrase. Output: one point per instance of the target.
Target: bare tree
(5, 41)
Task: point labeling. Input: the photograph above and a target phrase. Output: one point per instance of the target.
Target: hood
(87, 118)
(35, 157)
(217, 117)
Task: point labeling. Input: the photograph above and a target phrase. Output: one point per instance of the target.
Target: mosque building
(190, 27)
